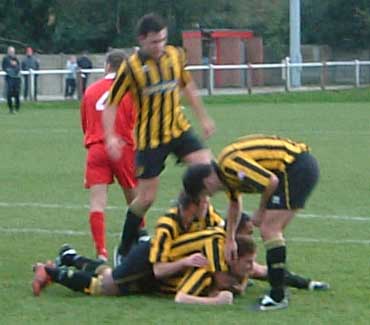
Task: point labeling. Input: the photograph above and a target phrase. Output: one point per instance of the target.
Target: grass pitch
(43, 204)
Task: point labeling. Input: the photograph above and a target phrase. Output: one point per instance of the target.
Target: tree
(52, 26)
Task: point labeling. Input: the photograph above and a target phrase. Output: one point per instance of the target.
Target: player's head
(245, 226)
(202, 203)
(11, 51)
(114, 60)
(152, 35)
(247, 251)
(201, 179)
(29, 51)
(186, 201)
(189, 207)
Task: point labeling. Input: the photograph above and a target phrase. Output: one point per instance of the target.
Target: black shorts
(151, 162)
(295, 184)
(135, 274)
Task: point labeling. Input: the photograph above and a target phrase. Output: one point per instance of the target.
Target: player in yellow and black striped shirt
(283, 171)
(155, 75)
(192, 281)
(180, 261)
(190, 229)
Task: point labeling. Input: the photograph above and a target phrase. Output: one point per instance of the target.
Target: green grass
(41, 179)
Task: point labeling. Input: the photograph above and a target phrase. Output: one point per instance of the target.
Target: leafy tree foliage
(53, 26)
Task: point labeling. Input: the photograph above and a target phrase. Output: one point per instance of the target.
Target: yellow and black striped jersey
(246, 165)
(169, 243)
(198, 281)
(211, 219)
(207, 242)
(155, 86)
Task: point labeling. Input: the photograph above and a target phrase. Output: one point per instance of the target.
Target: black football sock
(129, 232)
(74, 280)
(87, 264)
(296, 281)
(71, 258)
(276, 258)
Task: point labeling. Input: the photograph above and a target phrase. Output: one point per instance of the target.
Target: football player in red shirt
(100, 170)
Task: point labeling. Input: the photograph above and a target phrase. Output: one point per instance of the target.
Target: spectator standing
(84, 62)
(28, 63)
(11, 66)
(71, 66)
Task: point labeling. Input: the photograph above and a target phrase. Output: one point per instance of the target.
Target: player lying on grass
(206, 272)
(190, 277)
(135, 275)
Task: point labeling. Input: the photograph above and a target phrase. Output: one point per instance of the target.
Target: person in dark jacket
(11, 66)
(28, 63)
(84, 62)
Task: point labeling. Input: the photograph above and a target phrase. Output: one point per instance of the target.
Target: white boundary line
(61, 232)
(83, 207)
(67, 232)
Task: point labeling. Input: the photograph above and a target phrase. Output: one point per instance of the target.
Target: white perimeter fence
(215, 79)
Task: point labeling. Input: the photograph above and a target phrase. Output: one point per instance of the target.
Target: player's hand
(114, 146)
(237, 289)
(208, 126)
(257, 218)
(225, 297)
(231, 250)
(196, 260)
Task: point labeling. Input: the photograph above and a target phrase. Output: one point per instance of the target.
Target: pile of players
(132, 121)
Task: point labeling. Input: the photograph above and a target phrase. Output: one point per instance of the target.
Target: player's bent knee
(268, 232)
(202, 156)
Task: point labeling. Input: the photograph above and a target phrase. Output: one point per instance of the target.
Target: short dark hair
(115, 58)
(185, 200)
(150, 23)
(193, 178)
(244, 218)
(246, 245)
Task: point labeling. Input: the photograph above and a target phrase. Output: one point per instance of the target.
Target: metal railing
(286, 69)
(355, 77)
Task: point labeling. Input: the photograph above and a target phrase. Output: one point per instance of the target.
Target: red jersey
(92, 106)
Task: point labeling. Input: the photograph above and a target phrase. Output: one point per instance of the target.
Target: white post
(283, 70)
(211, 80)
(295, 41)
(287, 74)
(31, 84)
(357, 73)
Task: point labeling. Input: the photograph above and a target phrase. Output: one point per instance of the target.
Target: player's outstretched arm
(222, 298)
